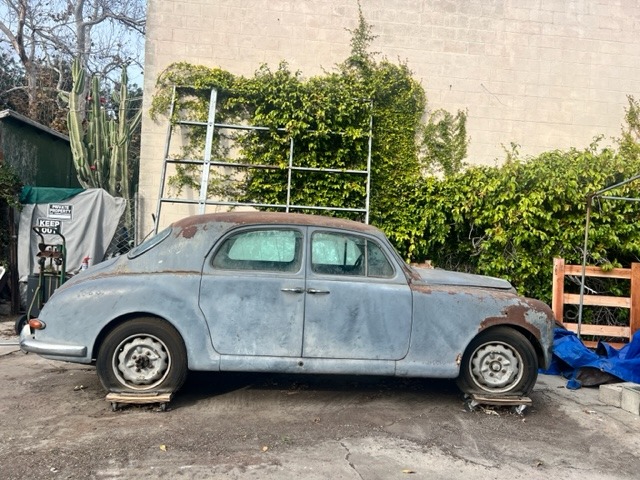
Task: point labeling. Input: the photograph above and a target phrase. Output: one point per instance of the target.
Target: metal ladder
(207, 163)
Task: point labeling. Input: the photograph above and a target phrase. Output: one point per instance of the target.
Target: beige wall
(544, 74)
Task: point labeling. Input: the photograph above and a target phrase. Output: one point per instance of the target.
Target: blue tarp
(570, 355)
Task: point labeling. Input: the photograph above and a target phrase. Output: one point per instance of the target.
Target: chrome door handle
(315, 291)
(292, 290)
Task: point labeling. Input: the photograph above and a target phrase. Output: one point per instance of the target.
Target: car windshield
(149, 244)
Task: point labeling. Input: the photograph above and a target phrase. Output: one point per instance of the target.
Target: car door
(358, 303)
(252, 292)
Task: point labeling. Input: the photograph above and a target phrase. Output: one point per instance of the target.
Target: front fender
(446, 319)
(532, 316)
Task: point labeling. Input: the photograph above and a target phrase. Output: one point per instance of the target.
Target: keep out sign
(49, 226)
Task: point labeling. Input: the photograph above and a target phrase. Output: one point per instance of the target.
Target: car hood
(435, 276)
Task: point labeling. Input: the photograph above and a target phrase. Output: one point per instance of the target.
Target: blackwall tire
(20, 323)
(144, 355)
(500, 361)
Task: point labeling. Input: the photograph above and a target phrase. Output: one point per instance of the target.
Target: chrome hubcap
(141, 362)
(496, 367)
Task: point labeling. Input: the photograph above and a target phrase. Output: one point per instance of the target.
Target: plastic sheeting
(570, 356)
(87, 220)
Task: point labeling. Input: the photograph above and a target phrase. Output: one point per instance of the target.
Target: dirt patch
(57, 424)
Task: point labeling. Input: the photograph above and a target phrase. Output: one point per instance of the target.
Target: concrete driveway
(57, 424)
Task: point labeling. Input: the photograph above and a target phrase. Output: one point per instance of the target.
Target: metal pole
(289, 175)
(366, 217)
(156, 220)
(584, 262)
(136, 214)
(208, 145)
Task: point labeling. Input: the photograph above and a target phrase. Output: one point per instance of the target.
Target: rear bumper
(28, 343)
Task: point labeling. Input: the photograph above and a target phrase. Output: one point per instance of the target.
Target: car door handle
(292, 290)
(315, 291)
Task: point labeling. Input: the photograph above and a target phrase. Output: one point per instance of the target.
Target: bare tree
(46, 35)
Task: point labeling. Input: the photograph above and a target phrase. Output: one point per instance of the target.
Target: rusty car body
(291, 293)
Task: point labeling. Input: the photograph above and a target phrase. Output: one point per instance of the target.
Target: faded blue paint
(359, 318)
(417, 322)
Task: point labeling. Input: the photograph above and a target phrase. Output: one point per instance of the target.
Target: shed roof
(10, 114)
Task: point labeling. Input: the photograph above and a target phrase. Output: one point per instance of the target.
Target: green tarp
(35, 195)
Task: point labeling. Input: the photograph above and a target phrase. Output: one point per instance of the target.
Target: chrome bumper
(29, 344)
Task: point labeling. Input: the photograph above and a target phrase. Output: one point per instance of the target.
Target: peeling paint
(188, 232)
(513, 315)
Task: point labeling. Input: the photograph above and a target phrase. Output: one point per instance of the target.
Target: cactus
(100, 145)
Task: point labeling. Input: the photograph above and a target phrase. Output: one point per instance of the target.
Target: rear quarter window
(150, 243)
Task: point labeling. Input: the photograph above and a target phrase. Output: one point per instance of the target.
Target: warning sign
(48, 226)
(60, 211)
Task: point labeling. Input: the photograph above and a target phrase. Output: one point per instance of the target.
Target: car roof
(273, 218)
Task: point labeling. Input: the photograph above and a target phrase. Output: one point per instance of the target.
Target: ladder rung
(327, 170)
(196, 123)
(264, 167)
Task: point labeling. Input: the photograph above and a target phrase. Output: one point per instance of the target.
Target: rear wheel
(20, 323)
(500, 361)
(142, 355)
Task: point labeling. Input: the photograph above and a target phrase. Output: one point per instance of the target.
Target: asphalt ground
(56, 423)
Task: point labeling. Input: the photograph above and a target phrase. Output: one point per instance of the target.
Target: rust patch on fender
(513, 315)
(420, 288)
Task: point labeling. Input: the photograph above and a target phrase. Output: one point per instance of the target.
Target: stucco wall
(543, 74)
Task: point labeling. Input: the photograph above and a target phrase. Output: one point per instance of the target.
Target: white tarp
(87, 220)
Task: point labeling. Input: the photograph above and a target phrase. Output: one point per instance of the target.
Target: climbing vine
(329, 118)
(511, 221)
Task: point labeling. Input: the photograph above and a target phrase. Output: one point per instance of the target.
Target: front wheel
(500, 361)
(142, 355)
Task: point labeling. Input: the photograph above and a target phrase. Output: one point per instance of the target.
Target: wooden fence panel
(560, 299)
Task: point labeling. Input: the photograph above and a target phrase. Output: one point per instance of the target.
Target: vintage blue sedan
(290, 293)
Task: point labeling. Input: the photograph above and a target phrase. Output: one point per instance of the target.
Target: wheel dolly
(518, 404)
(52, 262)
(119, 399)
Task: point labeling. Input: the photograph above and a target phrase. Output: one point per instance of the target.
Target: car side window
(377, 263)
(275, 250)
(346, 254)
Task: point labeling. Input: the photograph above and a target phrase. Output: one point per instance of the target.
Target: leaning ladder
(207, 163)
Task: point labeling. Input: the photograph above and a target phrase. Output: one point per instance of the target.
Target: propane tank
(85, 263)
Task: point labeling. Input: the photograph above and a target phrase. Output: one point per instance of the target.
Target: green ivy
(511, 221)
(445, 142)
(328, 117)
